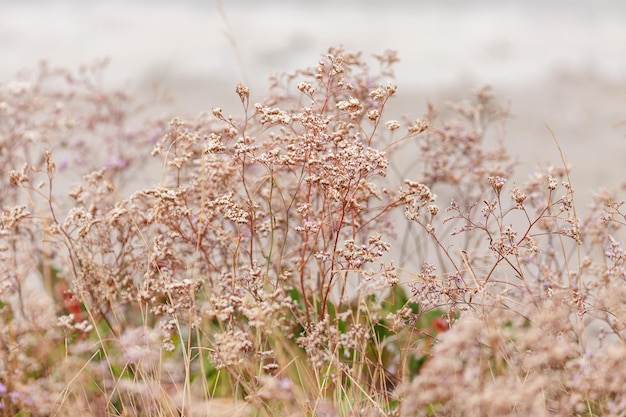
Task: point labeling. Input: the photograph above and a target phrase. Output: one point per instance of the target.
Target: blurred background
(560, 63)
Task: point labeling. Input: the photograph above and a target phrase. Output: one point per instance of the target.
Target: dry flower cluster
(264, 258)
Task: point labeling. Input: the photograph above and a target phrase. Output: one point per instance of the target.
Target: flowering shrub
(270, 259)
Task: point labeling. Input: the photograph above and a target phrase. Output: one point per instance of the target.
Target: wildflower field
(289, 261)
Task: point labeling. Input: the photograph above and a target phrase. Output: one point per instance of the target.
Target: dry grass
(254, 273)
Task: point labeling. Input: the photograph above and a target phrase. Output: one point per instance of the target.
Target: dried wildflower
(496, 183)
(272, 116)
(243, 92)
(11, 218)
(231, 348)
(518, 196)
(373, 114)
(306, 88)
(418, 127)
(50, 165)
(217, 112)
(262, 236)
(392, 125)
(214, 143)
(552, 183)
(378, 94)
(350, 104)
(16, 178)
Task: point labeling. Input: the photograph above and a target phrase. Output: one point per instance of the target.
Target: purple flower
(114, 162)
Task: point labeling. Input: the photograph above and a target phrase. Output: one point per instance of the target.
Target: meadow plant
(286, 262)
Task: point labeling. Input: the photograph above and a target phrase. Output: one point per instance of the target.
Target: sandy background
(560, 63)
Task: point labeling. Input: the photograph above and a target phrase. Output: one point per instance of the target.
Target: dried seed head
(243, 92)
(392, 125)
(17, 177)
(518, 196)
(50, 165)
(306, 88)
(217, 112)
(373, 114)
(497, 183)
(418, 127)
(552, 183)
